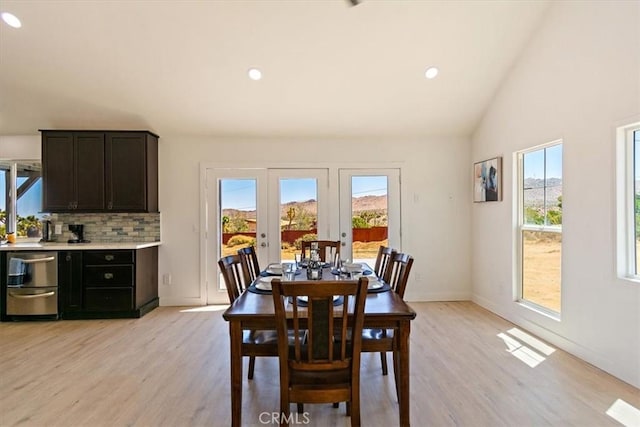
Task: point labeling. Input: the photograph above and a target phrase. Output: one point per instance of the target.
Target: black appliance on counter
(47, 231)
(78, 234)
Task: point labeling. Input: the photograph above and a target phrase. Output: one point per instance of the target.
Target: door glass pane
(369, 216)
(541, 268)
(298, 214)
(238, 214)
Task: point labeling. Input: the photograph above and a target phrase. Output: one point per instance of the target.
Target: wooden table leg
(235, 332)
(403, 377)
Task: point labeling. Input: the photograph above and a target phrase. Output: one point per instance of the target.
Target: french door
(271, 209)
(274, 209)
(369, 212)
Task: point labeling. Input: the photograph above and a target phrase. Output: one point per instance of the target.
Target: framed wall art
(487, 180)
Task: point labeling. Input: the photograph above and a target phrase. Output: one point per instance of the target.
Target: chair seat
(260, 337)
(376, 334)
(267, 336)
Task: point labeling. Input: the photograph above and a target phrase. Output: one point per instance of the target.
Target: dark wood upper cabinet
(132, 171)
(73, 171)
(100, 171)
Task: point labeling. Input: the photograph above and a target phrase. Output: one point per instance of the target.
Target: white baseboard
(180, 301)
(443, 296)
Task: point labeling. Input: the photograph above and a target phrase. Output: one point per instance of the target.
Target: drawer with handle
(108, 257)
(108, 276)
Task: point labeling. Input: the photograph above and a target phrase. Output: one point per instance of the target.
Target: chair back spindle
(234, 276)
(327, 248)
(383, 260)
(250, 264)
(398, 272)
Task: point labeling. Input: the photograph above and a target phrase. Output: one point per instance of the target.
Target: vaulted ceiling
(329, 68)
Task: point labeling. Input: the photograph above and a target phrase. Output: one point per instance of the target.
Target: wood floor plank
(171, 368)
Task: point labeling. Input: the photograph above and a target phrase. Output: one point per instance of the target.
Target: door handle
(263, 244)
(36, 260)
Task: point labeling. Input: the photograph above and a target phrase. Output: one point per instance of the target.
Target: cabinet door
(73, 171)
(57, 171)
(89, 165)
(70, 281)
(126, 162)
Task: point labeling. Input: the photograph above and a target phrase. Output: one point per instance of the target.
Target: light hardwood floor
(170, 368)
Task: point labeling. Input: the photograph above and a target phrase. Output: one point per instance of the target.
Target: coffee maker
(77, 231)
(47, 231)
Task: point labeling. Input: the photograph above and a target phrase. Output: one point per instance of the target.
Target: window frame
(626, 222)
(522, 227)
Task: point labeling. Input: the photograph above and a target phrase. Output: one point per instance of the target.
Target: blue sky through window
(238, 194)
(534, 163)
(241, 193)
(29, 204)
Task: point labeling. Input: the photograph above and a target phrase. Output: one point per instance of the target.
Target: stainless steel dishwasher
(32, 283)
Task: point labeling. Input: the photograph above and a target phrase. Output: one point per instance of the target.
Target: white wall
(578, 79)
(435, 203)
(20, 147)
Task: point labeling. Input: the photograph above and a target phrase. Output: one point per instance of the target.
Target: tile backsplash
(116, 227)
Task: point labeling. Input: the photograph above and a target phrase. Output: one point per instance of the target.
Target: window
(540, 226)
(23, 217)
(629, 201)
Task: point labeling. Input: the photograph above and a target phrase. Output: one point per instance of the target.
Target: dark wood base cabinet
(104, 284)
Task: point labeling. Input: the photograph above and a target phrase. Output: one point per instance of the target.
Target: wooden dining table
(383, 310)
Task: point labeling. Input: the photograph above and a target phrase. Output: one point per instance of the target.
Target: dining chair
(250, 265)
(254, 342)
(385, 254)
(328, 249)
(324, 367)
(397, 276)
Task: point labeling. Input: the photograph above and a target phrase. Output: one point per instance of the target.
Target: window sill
(540, 310)
(631, 279)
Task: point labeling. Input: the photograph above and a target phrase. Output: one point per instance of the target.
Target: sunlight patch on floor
(531, 341)
(520, 351)
(205, 308)
(624, 413)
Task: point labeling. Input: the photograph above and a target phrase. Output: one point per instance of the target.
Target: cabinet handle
(108, 276)
(110, 205)
(109, 257)
(70, 205)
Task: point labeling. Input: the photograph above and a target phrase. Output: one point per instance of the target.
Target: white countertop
(61, 246)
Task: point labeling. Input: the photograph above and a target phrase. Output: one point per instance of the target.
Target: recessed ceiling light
(255, 74)
(431, 72)
(11, 20)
